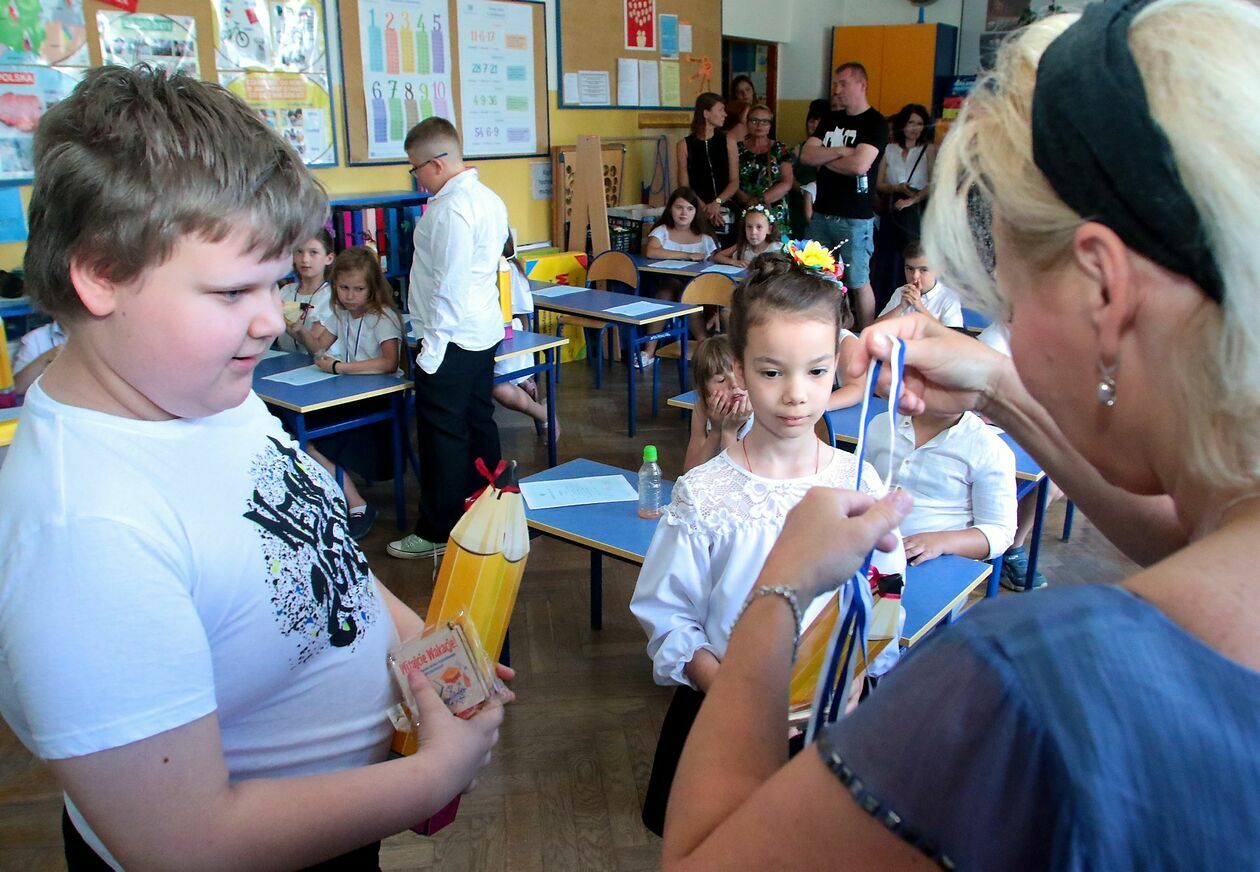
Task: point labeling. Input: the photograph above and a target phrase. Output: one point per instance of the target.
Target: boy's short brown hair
(436, 132)
(135, 159)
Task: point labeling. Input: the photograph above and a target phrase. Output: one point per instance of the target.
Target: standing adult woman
(1093, 726)
(708, 162)
(743, 89)
(765, 167)
(905, 175)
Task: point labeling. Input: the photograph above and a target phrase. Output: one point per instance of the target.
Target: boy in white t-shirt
(923, 292)
(188, 635)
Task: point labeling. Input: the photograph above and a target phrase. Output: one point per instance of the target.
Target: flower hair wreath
(758, 207)
(812, 256)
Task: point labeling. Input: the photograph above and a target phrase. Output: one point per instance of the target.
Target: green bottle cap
(649, 454)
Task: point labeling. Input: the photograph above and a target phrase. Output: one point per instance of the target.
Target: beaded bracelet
(789, 596)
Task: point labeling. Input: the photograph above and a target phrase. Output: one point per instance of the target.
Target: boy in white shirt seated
(923, 292)
(962, 477)
(36, 350)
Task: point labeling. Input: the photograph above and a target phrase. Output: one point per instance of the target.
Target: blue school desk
(934, 591)
(973, 321)
(523, 342)
(652, 265)
(842, 427)
(295, 402)
(18, 307)
(595, 304)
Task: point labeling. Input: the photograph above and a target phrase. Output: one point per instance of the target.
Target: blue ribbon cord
(850, 633)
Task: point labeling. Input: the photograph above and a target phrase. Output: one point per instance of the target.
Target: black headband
(1095, 140)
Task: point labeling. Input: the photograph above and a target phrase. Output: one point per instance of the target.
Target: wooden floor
(569, 774)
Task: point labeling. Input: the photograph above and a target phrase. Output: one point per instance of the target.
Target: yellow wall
(509, 178)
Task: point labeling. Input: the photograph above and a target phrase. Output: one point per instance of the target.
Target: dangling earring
(1106, 385)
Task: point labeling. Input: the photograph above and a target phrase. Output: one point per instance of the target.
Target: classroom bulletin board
(482, 64)
(638, 54)
(270, 53)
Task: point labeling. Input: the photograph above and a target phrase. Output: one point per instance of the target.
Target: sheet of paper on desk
(578, 492)
(273, 352)
(634, 310)
(724, 269)
(671, 264)
(303, 376)
(558, 291)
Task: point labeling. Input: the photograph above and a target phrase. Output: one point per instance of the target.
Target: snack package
(451, 656)
(292, 311)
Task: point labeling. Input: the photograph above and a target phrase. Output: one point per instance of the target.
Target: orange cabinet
(906, 63)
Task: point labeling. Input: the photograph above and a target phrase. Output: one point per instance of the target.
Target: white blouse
(705, 246)
(944, 304)
(898, 172)
(709, 547)
(361, 338)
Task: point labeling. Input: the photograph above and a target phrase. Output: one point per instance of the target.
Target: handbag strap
(917, 161)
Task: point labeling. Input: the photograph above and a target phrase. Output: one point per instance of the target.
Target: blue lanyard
(850, 633)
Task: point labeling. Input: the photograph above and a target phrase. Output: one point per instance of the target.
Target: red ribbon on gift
(491, 478)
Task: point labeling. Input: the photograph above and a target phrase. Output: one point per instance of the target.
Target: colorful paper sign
(498, 114)
(640, 18)
(165, 41)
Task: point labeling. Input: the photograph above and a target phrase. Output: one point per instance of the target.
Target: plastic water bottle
(863, 185)
(649, 485)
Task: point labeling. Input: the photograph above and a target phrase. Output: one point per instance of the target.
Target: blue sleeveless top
(1078, 728)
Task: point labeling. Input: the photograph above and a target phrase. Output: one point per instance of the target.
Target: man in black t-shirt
(847, 147)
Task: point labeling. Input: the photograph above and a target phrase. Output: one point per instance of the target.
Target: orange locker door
(909, 62)
(864, 45)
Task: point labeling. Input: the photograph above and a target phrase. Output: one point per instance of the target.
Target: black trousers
(81, 858)
(454, 426)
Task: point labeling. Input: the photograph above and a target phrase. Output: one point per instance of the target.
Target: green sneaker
(413, 547)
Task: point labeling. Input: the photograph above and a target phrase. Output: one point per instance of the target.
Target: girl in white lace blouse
(725, 514)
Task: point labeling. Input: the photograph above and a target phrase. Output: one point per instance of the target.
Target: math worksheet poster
(406, 47)
(496, 74)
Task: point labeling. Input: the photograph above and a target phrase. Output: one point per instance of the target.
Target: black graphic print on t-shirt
(320, 585)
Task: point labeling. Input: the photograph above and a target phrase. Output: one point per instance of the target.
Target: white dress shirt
(454, 290)
(941, 301)
(39, 341)
(963, 477)
(709, 547)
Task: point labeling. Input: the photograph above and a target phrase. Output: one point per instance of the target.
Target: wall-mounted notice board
(482, 64)
(638, 54)
(270, 53)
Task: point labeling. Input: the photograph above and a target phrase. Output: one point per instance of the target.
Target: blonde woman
(1088, 727)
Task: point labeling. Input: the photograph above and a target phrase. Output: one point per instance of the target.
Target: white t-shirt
(320, 311)
(153, 572)
(522, 296)
(361, 338)
(961, 478)
(709, 546)
(705, 246)
(941, 301)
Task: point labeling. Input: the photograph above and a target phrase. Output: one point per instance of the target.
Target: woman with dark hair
(905, 175)
(743, 89)
(736, 125)
(707, 160)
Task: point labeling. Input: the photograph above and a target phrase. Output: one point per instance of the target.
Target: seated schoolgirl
(758, 233)
(962, 477)
(362, 337)
(722, 411)
(725, 514)
(681, 233)
(521, 394)
(306, 302)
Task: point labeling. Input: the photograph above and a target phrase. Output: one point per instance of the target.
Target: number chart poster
(496, 76)
(406, 48)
